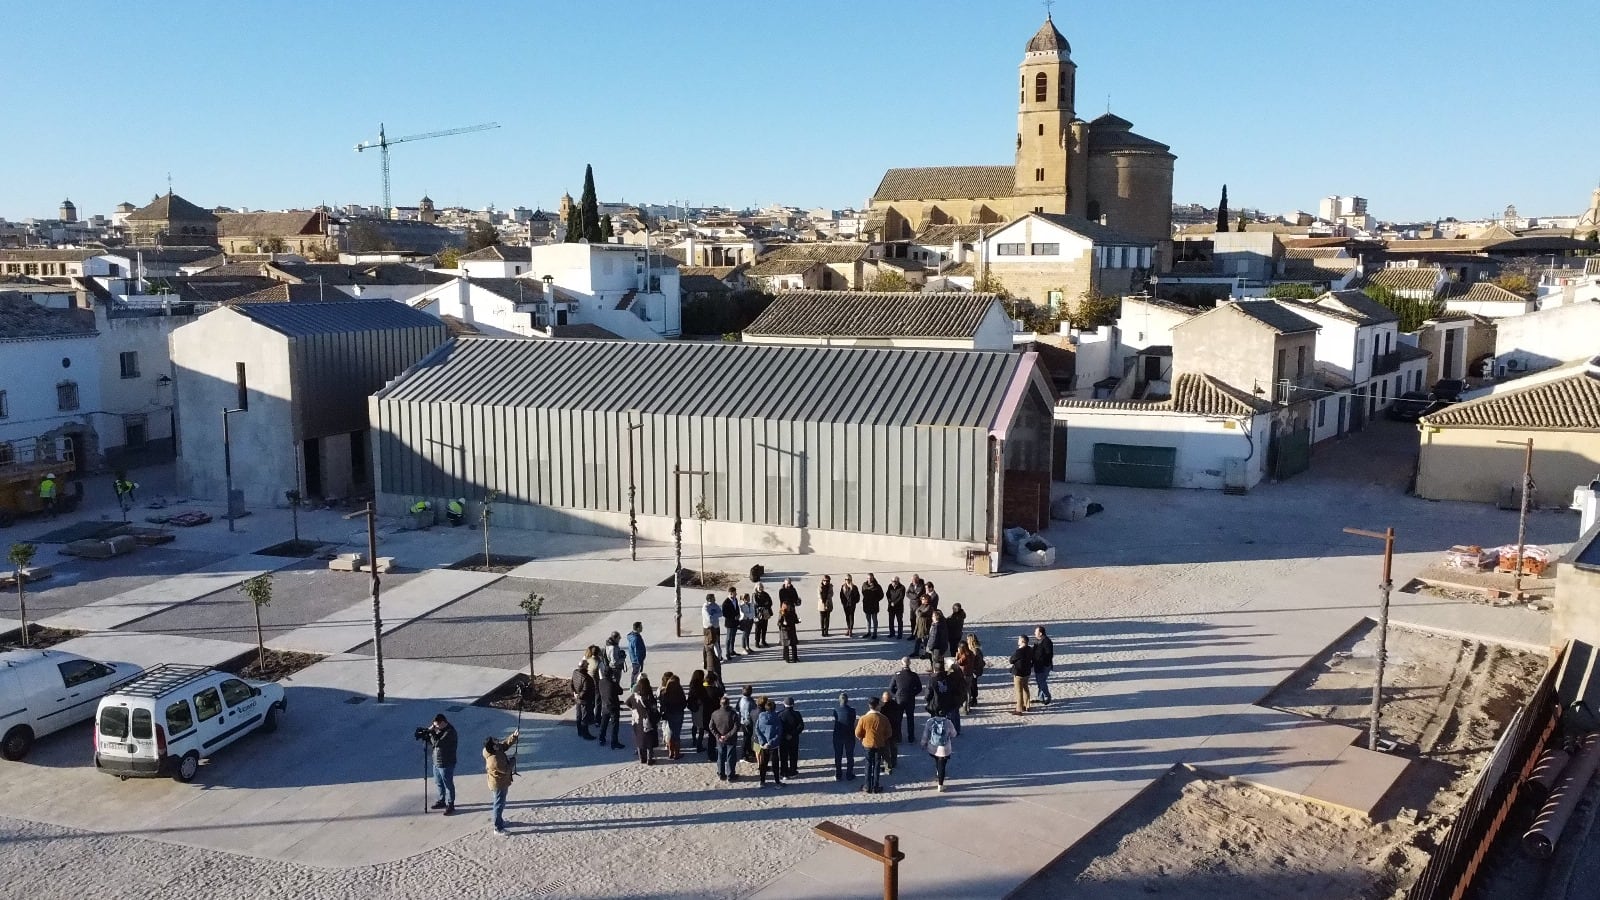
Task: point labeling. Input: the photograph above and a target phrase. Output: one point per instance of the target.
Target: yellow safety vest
(419, 506)
(47, 489)
(455, 508)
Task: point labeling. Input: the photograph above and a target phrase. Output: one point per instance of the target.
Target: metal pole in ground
(1384, 587)
(377, 611)
(677, 548)
(1522, 521)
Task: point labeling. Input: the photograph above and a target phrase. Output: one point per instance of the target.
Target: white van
(167, 719)
(44, 691)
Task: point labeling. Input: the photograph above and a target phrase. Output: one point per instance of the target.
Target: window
(5, 406)
(66, 395)
(1361, 352)
(1277, 369)
(1093, 211)
(1322, 413)
(77, 671)
(179, 719)
(1041, 87)
(1041, 129)
(1045, 250)
(1054, 298)
(114, 722)
(1299, 362)
(143, 729)
(236, 692)
(207, 705)
(1008, 249)
(1038, 209)
(130, 364)
(1038, 174)
(1416, 383)
(1061, 89)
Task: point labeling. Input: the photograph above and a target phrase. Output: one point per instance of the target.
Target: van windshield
(114, 722)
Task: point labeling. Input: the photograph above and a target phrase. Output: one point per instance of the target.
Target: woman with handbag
(646, 718)
(673, 703)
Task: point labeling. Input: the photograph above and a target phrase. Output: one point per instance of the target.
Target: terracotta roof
(219, 290)
(1048, 39)
(363, 273)
(1274, 315)
(947, 182)
(961, 269)
(1193, 393)
(1105, 139)
(777, 265)
(1317, 269)
(258, 224)
(1314, 253)
(955, 314)
(1354, 305)
(1567, 404)
(1407, 352)
(457, 327)
(500, 252)
(1591, 266)
(1168, 305)
(1482, 292)
(48, 255)
(285, 292)
(945, 235)
(170, 207)
(20, 317)
(1405, 278)
(835, 253)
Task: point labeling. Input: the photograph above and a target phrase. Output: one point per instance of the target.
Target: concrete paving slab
(1282, 752)
(352, 626)
(153, 649)
(1357, 780)
(404, 679)
(121, 609)
(80, 582)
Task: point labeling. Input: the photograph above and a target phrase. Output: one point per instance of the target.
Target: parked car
(44, 691)
(168, 719)
(1413, 405)
(1448, 389)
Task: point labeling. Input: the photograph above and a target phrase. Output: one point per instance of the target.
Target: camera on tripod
(423, 734)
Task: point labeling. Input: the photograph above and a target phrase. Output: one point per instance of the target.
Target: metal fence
(1453, 867)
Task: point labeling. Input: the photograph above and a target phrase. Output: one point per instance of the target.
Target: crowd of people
(742, 727)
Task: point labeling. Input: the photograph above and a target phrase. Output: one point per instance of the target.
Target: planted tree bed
(691, 578)
(293, 549)
(499, 563)
(39, 637)
(548, 695)
(280, 664)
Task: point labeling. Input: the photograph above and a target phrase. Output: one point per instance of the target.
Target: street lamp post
(372, 566)
(1387, 536)
(227, 463)
(677, 542)
(633, 517)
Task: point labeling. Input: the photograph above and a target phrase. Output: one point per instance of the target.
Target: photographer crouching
(441, 737)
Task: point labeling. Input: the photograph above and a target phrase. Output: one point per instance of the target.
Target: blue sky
(1427, 108)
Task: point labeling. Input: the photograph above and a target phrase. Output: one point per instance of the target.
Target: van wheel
(188, 767)
(18, 741)
(270, 723)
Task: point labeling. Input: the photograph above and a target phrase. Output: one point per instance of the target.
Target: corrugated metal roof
(298, 319)
(870, 386)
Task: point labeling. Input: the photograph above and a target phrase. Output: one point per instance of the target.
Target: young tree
(888, 280)
(606, 234)
(295, 500)
(481, 234)
(448, 258)
(1222, 211)
(258, 591)
(483, 516)
(702, 512)
(574, 225)
(1516, 283)
(1093, 310)
(589, 204)
(1243, 221)
(21, 556)
(531, 605)
(989, 284)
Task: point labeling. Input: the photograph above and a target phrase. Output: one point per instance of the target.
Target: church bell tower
(1049, 133)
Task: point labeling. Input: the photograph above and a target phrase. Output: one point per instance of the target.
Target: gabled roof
(306, 319)
(1567, 404)
(833, 252)
(1482, 292)
(947, 235)
(1354, 305)
(1168, 305)
(583, 332)
(956, 314)
(1315, 253)
(1405, 278)
(1193, 393)
(47, 255)
(364, 273)
(500, 252)
(269, 224)
(1272, 314)
(287, 292)
(947, 183)
(858, 385)
(171, 207)
(220, 290)
(1086, 228)
(776, 265)
(20, 317)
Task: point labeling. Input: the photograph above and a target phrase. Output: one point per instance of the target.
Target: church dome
(1049, 39)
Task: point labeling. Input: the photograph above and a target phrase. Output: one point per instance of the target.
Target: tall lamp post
(372, 566)
(227, 462)
(633, 517)
(1387, 536)
(677, 542)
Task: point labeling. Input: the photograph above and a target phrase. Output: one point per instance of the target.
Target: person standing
(711, 622)
(125, 493)
(1044, 659)
(914, 593)
(957, 680)
(849, 599)
(610, 708)
(940, 646)
(594, 664)
(763, 602)
(824, 603)
(844, 740)
(616, 658)
(442, 737)
(871, 604)
(895, 595)
(748, 709)
(1021, 666)
(942, 696)
(969, 659)
(921, 625)
(932, 595)
(47, 494)
(673, 702)
(583, 696)
(939, 740)
(724, 728)
(789, 594)
(747, 621)
(789, 632)
(904, 689)
(874, 733)
(636, 652)
(768, 736)
(497, 771)
(890, 708)
(645, 716)
(956, 621)
(715, 691)
(789, 747)
(730, 623)
(699, 709)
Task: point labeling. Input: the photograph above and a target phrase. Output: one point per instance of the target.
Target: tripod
(427, 758)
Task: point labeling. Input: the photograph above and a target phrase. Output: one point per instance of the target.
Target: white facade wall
(1542, 339)
(493, 268)
(491, 313)
(600, 275)
(1145, 324)
(1204, 444)
(139, 397)
(33, 369)
(1495, 310)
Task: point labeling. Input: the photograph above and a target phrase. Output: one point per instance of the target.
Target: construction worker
(456, 511)
(124, 489)
(47, 493)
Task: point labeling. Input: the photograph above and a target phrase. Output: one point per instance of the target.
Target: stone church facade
(1099, 170)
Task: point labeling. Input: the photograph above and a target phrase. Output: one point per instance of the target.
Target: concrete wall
(1203, 443)
(1477, 463)
(1577, 610)
(1238, 350)
(1546, 338)
(1134, 191)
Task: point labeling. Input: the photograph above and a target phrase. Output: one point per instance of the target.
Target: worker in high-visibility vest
(421, 506)
(456, 511)
(124, 489)
(47, 493)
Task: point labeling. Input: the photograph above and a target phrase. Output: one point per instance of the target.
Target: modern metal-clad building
(882, 453)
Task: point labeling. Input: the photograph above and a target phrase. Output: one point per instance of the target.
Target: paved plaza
(1174, 613)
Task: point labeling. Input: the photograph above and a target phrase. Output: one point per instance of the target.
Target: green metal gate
(1134, 465)
(1289, 453)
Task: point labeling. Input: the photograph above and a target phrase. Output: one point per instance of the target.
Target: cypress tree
(589, 207)
(574, 223)
(1222, 211)
(605, 229)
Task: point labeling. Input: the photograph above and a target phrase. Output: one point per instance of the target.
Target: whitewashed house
(1361, 359)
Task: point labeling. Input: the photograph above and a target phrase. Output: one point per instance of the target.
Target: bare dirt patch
(547, 695)
(691, 578)
(39, 637)
(1446, 701)
(496, 563)
(292, 548)
(280, 664)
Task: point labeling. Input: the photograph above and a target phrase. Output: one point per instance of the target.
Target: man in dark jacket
(789, 746)
(940, 646)
(890, 709)
(921, 626)
(844, 740)
(583, 691)
(871, 603)
(904, 689)
(1044, 659)
(724, 728)
(442, 737)
(730, 621)
(610, 708)
(895, 594)
(789, 594)
(1021, 667)
(764, 613)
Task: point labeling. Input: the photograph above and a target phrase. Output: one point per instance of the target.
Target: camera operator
(441, 736)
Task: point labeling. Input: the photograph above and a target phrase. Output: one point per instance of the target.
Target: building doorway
(312, 454)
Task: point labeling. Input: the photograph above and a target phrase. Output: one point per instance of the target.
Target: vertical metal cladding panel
(517, 453)
(560, 470)
(745, 472)
(952, 487)
(856, 489)
(927, 475)
(975, 458)
(819, 487)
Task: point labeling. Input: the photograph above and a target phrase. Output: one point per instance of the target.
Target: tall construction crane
(384, 142)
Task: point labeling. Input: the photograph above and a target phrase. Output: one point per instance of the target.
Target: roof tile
(954, 314)
(1567, 404)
